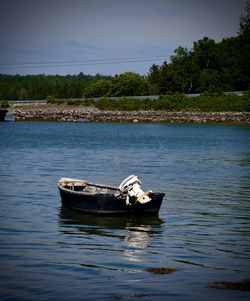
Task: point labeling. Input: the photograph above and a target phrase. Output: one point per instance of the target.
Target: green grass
(175, 102)
(179, 102)
(4, 104)
(70, 102)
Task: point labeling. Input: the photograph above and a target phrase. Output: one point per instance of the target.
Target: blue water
(202, 231)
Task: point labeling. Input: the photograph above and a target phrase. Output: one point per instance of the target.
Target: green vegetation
(71, 102)
(175, 102)
(208, 68)
(178, 102)
(4, 104)
(42, 86)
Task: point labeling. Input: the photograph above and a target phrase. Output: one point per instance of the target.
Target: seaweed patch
(161, 271)
(243, 285)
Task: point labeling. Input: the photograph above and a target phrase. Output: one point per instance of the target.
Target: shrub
(4, 104)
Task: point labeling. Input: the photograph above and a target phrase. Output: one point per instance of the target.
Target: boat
(2, 114)
(128, 198)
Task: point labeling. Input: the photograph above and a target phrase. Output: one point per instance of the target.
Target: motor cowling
(132, 186)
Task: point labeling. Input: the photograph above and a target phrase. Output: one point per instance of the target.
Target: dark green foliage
(128, 84)
(206, 102)
(125, 84)
(245, 22)
(71, 102)
(179, 102)
(208, 66)
(16, 87)
(97, 88)
(4, 104)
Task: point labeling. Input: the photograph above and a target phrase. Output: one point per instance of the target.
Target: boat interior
(85, 186)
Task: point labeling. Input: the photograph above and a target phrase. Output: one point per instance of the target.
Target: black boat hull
(2, 114)
(110, 204)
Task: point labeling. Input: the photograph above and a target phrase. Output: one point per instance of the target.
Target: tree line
(44, 86)
(208, 67)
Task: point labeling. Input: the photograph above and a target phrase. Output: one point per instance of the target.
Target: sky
(106, 36)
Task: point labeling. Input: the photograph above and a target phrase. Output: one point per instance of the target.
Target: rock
(69, 113)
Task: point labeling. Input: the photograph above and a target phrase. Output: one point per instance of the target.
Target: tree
(244, 58)
(210, 81)
(153, 77)
(166, 79)
(245, 22)
(128, 84)
(97, 89)
(204, 52)
(183, 70)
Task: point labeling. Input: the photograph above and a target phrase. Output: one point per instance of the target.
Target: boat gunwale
(87, 192)
(100, 193)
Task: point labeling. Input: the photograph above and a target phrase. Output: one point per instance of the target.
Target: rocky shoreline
(63, 113)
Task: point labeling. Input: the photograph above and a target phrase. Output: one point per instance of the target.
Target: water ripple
(47, 253)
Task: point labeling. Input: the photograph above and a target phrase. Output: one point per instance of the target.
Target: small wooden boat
(2, 114)
(128, 198)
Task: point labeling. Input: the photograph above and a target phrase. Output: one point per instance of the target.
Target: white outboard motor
(131, 186)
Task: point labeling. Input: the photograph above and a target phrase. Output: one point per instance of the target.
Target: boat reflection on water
(137, 242)
(132, 234)
(69, 217)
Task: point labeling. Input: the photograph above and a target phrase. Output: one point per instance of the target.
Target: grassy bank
(4, 104)
(176, 102)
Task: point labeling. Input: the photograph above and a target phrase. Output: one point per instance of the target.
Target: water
(47, 253)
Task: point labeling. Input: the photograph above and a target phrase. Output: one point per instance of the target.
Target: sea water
(47, 253)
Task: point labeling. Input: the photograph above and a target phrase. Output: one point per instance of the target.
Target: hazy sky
(106, 36)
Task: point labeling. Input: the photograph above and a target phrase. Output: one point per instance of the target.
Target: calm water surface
(47, 253)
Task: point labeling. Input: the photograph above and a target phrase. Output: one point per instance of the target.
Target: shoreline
(66, 113)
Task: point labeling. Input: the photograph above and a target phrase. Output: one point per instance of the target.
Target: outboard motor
(131, 186)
